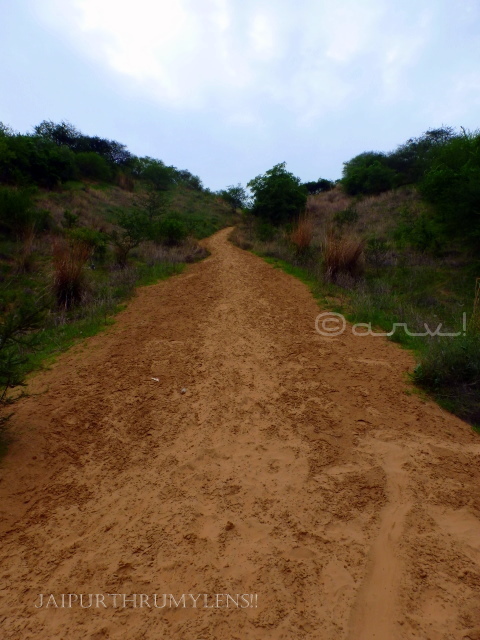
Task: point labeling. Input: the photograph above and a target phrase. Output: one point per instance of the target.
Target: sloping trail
(293, 466)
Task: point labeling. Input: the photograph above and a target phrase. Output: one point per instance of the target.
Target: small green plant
(376, 251)
(450, 369)
(95, 240)
(346, 217)
(417, 230)
(265, 231)
(134, 227)
(70, 219)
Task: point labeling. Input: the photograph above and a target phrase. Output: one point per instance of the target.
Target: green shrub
(265, 231)
(170, 230)
(16, 211)
(44, 220)
(368, 173)
(452, 185)
(134, 227)
(450, 361)
(155, 172)
(347, 216)
(94, 166)
(70, 219)
(417, 230)
(95, 240)
(450, 368)
(318, 186)
(376, 251)
(16, 342)
(26, 159)
(235, 196)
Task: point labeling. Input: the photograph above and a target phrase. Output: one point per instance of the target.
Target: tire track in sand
(293, 466)
(376, 610)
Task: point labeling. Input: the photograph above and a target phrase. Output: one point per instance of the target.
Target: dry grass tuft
(69, 260)
(342, 254)
(187, 251)
(125, 182)
(302, 235)
(324, 206)
(242, 236)
(25, 259)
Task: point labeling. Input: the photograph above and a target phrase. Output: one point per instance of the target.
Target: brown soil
(296, 467)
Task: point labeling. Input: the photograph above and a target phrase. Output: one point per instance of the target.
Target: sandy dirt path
(295, 467)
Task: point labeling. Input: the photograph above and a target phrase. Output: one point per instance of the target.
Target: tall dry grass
(93, 206)
(323, 206)
(302, 235)
(69, 260)
(187, 251)
(25, 258)
(378, 215)
(125, 182)
(342, 254)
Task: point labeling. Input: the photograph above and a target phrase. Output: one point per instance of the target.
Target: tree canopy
(279, 196)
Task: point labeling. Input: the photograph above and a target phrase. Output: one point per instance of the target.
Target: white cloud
(263, 36)
(173, 50)
(307, 59)
(349, 28)
(460, 98)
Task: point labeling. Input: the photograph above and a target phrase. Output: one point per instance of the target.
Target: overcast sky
(228, 88)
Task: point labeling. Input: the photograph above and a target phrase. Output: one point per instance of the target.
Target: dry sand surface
(295, 467)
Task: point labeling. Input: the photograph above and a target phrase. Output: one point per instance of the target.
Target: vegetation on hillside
(82, 222)
(395, 241)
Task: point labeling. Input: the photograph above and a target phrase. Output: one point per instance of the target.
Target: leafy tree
(373, 172)
(152, 203)
(65, 134)
(188, 179)
(279, 196)
(17, 214)
(452, 185)
(6, 130)
(112, 151)
(154, 172)
(31, 159)
(411, 160)
(134, 227)
(236, 197)
(62, 134)
(368, 173)
(319, 186)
